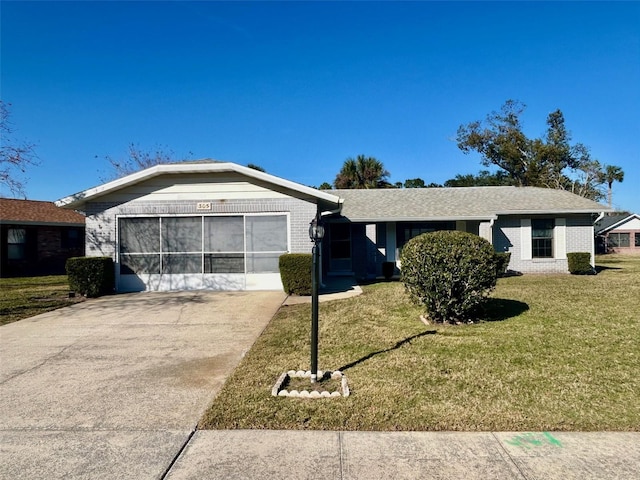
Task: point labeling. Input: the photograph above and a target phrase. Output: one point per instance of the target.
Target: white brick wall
(578, 234)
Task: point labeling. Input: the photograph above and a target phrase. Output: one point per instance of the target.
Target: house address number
(203, 206)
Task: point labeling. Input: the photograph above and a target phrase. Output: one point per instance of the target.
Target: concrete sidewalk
(256, 454)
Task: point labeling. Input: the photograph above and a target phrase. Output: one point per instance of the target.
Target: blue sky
(297, 87)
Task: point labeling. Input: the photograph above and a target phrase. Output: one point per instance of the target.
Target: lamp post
(316, 233)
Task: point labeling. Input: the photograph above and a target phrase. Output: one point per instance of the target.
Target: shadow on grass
(500, 309)
(395, 347)
(600, 268)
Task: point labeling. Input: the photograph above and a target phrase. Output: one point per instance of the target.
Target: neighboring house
(223, 226)
(37, 238)
(618, 233)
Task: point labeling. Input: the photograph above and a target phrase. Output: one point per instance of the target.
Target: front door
(340, 248)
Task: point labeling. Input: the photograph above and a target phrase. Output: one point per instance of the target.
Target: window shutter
(525, 239)
(560, 238)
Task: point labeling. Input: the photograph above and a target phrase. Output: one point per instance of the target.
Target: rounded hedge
(295, 273)
(449, 272)
(91, 276)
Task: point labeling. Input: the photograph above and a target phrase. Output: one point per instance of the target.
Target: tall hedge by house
(580, 263)
(449, 272)
(91, 276)
(295, 272)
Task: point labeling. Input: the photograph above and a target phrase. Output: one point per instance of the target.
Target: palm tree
(362, 172)
(612, 174)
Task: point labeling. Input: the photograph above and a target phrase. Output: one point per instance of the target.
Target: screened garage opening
(221, 252)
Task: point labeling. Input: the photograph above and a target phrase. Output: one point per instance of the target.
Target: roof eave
(554, 212)
(421, 219)
(41, 224)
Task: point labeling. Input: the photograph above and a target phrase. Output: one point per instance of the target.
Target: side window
(16, 243)
(542, 238)
(72, 238)
(619, 239)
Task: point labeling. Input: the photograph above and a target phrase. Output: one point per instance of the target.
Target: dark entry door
(340, 248)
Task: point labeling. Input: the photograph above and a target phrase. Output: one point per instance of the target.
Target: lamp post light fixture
(316, 233)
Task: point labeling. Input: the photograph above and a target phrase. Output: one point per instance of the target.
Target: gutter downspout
(492, 221)
(593, 240)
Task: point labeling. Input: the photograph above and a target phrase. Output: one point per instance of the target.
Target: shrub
(449, 272)
(580, 263)
(502, 262)
(387, 269)
(91, 276)
(295, 272)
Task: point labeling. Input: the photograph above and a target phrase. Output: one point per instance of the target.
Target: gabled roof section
(459, 203)
(325, 200)
(34, 212)
(614, 221)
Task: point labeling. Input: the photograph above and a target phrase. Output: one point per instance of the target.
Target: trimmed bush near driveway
(295, 273)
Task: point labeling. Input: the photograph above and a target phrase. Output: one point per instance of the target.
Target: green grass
(553, 352)
(28, 296)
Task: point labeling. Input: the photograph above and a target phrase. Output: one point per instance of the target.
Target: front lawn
(28, 296)
(556, 352)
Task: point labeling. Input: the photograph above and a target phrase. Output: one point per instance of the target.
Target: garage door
(217, 252)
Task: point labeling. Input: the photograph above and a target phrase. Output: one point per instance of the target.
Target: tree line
(550, 161)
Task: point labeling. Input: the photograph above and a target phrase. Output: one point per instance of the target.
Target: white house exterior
(222, 226)
(185, 226)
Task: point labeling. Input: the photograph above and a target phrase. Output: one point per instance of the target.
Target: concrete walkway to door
(113, 387)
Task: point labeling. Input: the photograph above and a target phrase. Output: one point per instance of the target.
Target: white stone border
(278, 391)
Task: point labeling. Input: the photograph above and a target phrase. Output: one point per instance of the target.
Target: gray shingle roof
(460, 203)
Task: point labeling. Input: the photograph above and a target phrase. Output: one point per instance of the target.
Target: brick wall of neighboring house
(54, 247)
(46, 249)
(634, 242)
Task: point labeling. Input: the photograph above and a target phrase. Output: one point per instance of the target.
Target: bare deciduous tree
(15, 155)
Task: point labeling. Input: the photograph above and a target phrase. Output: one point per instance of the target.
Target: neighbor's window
(542, 238)
(72, 238)
(16, 241)
(619, 240)
(637, 235)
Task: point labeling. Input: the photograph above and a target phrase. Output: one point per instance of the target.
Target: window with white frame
(542, 238)
(202, 244)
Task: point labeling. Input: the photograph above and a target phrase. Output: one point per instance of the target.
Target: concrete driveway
(113, 387)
